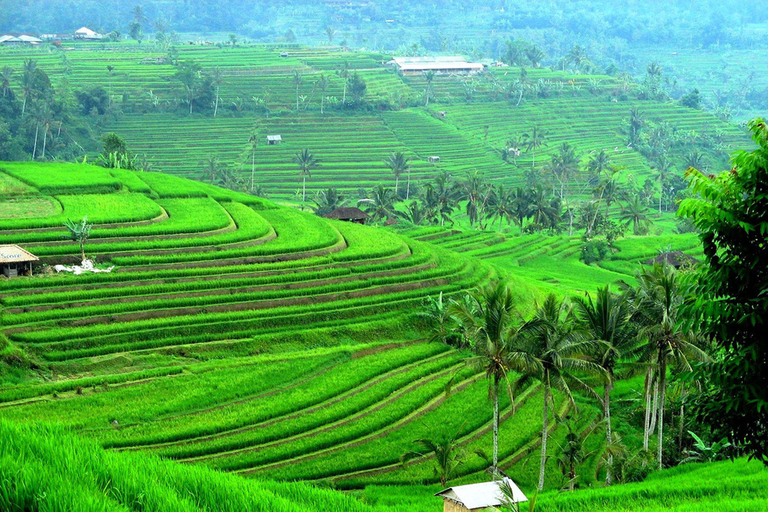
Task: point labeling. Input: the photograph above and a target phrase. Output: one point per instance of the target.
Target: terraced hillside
(235, 333)
(467, 122)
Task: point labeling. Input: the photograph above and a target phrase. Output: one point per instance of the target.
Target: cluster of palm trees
(574, 346)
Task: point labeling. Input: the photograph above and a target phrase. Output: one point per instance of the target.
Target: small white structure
(274, 140)
(86, 34)
(439, 65)
(433, 159)
(14, 261)
(22, 39)
(479, 497)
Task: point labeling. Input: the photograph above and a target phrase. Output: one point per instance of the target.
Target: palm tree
(212, 168)
(501, 206)
(534, 140)
(440, 323)
(521, 206)
(328, 200)
(253, 141)
(381, 204)
(534, 55)
(636, 124)
(576, 56)
(415, 213)
(485, 318)
(322, 84)
(656, 307)
(544, 209)
(636, 214)
(28, 82)
(216, 81)
(429, 76)
(599, 163)
(343, 73)
(442, 197)
(330, 32)
(398, 163)
(297, 81)
(554, 353)
(5, 79)
(306, 162)
(606, 321)
(447, 452)
(477, 192)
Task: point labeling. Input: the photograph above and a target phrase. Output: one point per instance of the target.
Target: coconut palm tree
(212, 168)
(343, 73)
(306, 162)
(663, 342)
(415, 213)
(477, 192)
(28, 82)
(297, 81)
(381, 204)
(521, 206)
(216, 81)
(485, 318)
(534, 55)
(398, 163)
(253, 141)
(5, 79)
(322, 84)
(606, 320)
(553, 353)
(534, 140)
(636, 214)
(429, 76)
(328, 200)
(447, 452)
(599, 163)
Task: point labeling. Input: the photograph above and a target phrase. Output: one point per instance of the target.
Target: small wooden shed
(274, 140)
(348, 214)
(15, 261)
(480, 497)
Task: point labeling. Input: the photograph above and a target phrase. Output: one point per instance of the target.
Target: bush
(594, 251)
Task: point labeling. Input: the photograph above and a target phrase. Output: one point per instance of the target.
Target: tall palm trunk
(216, 105)
(253, 167)
(608, 433)
(655, 407)
(408, 187)
(344, 95)
(544, 435)
(304, 189)
(397, 181)
(662, 396)
(647, 395)
(24, 106)
(45, 139)
(34, 149)
(495, 425)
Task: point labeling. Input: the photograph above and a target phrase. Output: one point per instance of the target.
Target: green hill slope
(47, 469)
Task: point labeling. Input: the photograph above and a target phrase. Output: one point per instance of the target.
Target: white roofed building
(87, 34)
(441, 65)
(480, 497)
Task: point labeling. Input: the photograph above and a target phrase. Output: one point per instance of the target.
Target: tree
(322, 84)
(606, 321)
(534, 140)
(598, 164)
(330, 32)
(212, 167)
(216, 80)
(521, 206)
(253, 141)
(297, 81)
(79, 232)
(553, 353)
(381, 204)
(446, 451)
(398, 163)
(486, 320)
(534, 55)
(635, 213)
(664, 341)
(442, 197)
(5, 80)
(328, 200)
(357, 89)
(415, 213)
(343, 73)
(429, 77)
(477, 192)
(728, 301)
(306, 162)
(576, 56)
(441, 325)
(636, 123)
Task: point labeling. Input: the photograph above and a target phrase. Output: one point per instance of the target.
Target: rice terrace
(383, 256)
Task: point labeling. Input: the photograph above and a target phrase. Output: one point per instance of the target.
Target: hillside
(261, 90)
(45, 468)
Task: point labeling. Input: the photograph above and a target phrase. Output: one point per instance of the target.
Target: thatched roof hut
(14, 260)
(348, 214)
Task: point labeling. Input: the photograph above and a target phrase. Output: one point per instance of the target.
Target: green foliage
(728, 299)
